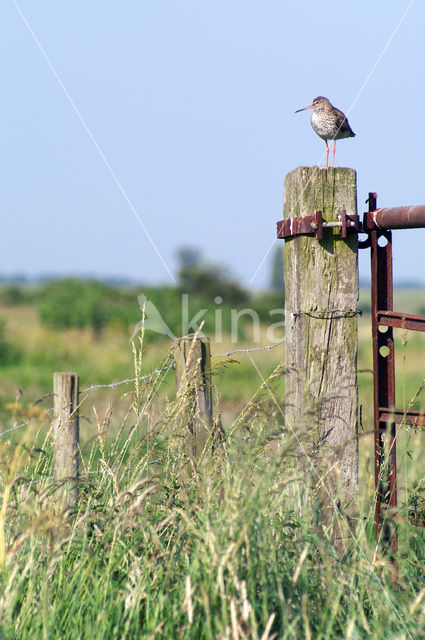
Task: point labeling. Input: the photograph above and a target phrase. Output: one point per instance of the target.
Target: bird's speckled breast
(323, 124)
(330, 125)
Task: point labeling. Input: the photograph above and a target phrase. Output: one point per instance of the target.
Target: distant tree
(202, 278)
(189, 258)
(277, 282)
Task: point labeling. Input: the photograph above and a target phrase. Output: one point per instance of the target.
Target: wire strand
(24, 424)
(250, 350)
(327, 314)
(112, 385)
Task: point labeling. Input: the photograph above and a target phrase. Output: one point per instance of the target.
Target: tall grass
(229, 550)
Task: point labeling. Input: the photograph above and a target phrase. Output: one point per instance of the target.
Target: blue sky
(186, 127)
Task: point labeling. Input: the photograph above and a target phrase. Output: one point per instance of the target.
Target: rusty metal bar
(395, 218)
(414, 418)
(401, 320)
(384, 375)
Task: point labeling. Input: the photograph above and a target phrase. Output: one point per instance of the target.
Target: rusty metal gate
(378, 225)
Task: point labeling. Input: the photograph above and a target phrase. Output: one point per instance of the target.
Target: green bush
(9, 352)
(12, 295)
(73, 303)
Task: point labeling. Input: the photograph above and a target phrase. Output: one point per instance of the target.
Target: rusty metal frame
(306, 225)
(377, 224)
(383, 373)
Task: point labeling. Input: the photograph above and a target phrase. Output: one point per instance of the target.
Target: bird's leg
(327, 153)
(333, 153)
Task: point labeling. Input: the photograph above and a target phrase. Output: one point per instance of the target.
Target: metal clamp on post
(307, 225)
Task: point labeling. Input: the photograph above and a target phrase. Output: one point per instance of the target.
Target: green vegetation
(71, 303)
(9, 352)
(231, 551)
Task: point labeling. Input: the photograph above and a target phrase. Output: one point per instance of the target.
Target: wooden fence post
(66, 433)
(321, 294)
(193, 381)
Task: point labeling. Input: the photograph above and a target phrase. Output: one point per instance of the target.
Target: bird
(329, 123)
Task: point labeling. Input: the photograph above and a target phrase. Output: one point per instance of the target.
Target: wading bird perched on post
(329, 123)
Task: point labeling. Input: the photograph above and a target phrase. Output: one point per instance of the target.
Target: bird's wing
(343, 125)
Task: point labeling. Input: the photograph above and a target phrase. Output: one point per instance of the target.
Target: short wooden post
(321, 294)
(192, 357)
(66, 433)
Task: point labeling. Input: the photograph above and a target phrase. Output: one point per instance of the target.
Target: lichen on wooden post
(192, 358)
(321, 295)
(66, 435)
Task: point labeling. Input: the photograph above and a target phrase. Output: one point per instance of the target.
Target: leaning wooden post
(321, 294)
(66, 434)
(193, 381)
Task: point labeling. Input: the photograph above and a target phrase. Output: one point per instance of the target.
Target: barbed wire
(18, 426)
(157, 371)
(249, 350)
(112, 385)
(327, 314)
(24, 424)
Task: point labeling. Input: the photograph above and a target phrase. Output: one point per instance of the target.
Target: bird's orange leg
(333, 153)
(327, 153)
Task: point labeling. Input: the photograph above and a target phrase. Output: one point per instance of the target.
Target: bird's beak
(298, 110)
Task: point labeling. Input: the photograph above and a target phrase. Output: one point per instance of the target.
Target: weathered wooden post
(321, 294)
(193, 381)
(66, 434)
